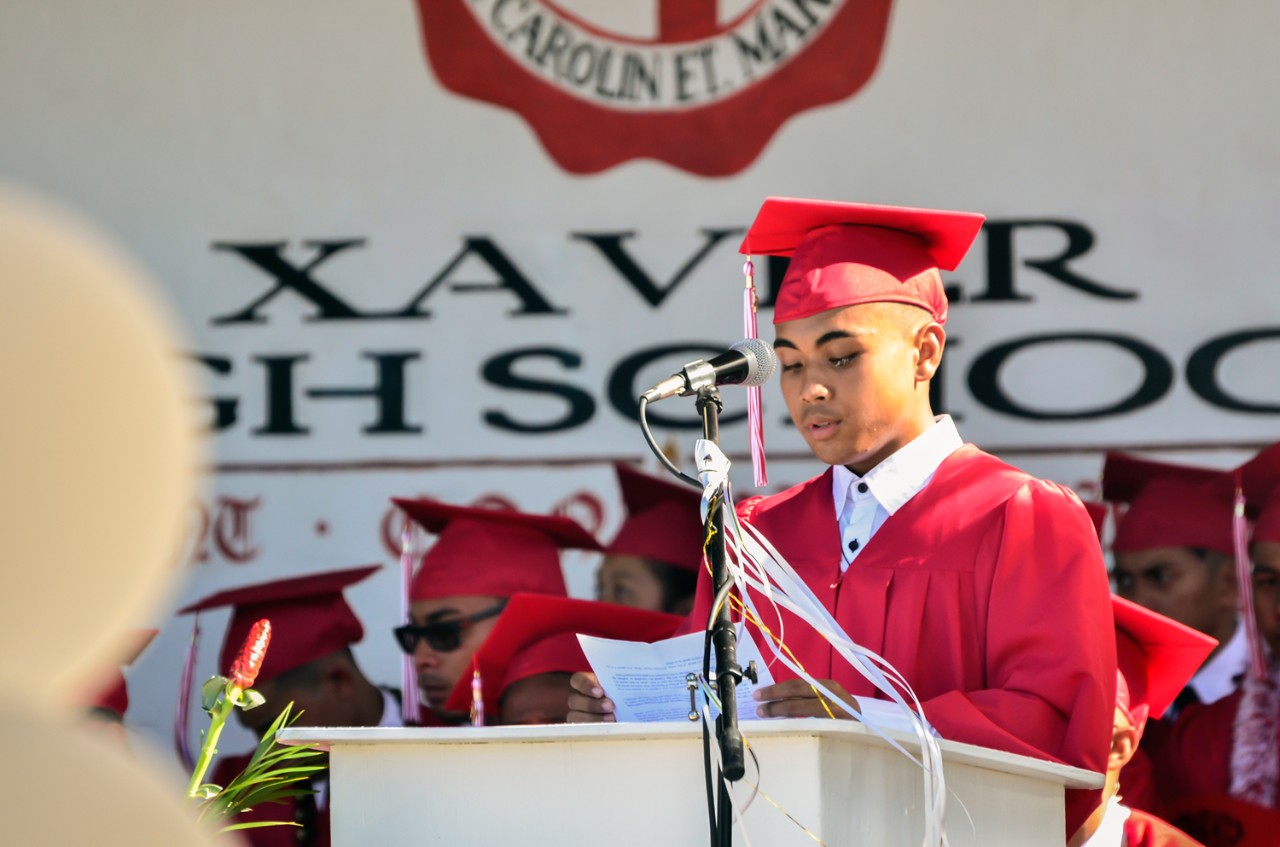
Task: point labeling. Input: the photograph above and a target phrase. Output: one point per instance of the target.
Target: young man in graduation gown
(653, 560)
(480, 558)
(1174, 554)
(1231, 748)
(983, 586)
(308, 663)
(1155, 657)
(524, 665)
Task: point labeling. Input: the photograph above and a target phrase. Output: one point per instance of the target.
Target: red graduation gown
(986, 590)
(1193, 758)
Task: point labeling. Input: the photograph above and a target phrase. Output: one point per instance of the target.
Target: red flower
(244, 670)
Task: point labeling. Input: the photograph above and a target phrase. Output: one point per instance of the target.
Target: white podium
(642, 785)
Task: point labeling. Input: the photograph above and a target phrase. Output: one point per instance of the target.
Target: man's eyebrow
(827, 338)
(835, 335)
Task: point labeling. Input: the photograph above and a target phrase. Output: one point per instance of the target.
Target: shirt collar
(1217, 677)
(901, 476)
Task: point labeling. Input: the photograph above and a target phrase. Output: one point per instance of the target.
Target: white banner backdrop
(439, 248)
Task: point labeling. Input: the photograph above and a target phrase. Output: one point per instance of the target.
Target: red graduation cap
(664, 521)
(309, 618)
(491, 552)
(529, 620)
(1156, 658)
(1260, 480)
(1169, 505)
(844, 254)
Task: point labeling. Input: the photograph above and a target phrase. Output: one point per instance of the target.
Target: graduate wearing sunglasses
(480, 558)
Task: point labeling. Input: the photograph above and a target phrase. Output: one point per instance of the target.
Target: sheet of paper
(646, 682)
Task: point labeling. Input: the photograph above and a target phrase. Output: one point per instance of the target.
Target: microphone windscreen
(761, 361)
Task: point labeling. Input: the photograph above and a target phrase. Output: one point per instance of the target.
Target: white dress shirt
(1219, 676)
(864, 503)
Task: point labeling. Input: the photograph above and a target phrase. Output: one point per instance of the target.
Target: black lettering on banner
(1001, 259)
(758, 52)
(624, 393)
(683, 76)
(984, 377)
(289, 277)
(224, 408)
(610, 246)
(500, 371)
(279, 382)
(803, 7)
(509, 279)
(388, 392)
(1202, 370)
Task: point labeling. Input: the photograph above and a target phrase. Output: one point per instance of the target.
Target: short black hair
(678, 584)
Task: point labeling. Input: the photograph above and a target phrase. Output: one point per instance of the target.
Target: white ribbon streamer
(753, 563)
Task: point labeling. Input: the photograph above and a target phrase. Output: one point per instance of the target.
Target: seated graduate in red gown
(653, 560)
(520, 675)
(309, 663)
(481, 557)
(1218, 773)
(1155, 657)
(983, 586)
(1174, 554)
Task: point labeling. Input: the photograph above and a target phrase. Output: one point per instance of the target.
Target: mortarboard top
(491, 552)
(530, 619)
(663, 523)
(1169, 505)
(309, 618)
(1156, 658)
(844, 254)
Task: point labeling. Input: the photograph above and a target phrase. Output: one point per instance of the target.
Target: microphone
(748, 363)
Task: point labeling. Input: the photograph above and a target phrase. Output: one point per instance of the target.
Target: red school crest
(700, 84)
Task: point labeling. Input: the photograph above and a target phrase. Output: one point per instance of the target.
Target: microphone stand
(723, 636)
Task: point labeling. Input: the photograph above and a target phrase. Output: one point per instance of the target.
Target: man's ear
(1124, 743)
(930, 340)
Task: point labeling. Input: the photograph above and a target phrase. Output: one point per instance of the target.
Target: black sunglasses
(443, 637)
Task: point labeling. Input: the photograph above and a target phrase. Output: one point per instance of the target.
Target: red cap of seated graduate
(1169, 505)
(845, 254)
(309, 618)
(529, 623)
(664, 521)
(491, 552)
(1156, 657)
(1260, 480)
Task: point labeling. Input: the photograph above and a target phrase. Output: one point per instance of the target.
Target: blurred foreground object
(98, 448)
